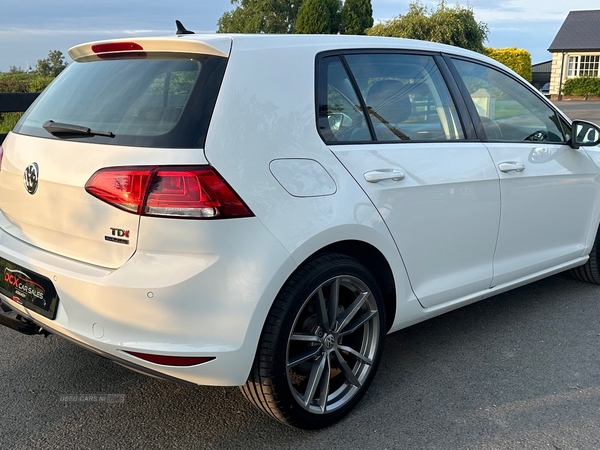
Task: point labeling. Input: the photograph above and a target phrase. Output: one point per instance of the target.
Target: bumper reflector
(166, 360)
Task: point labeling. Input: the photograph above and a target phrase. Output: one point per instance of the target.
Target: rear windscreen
(142, 102)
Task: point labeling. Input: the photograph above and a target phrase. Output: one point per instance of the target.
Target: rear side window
(404, 96)
(143, 102)
(341, 117)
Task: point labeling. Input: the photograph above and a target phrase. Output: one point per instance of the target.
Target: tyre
(321, 344)
(590, 271)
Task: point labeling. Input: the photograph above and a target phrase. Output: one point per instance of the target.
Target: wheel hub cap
(323, 372)
(329, 341)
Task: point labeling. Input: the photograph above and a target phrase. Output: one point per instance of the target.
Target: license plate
(32, 290)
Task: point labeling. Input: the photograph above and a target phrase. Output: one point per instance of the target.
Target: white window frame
(583, 65)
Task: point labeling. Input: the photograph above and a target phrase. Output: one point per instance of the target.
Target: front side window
(507, 109)
(400, 98)
(142, 102)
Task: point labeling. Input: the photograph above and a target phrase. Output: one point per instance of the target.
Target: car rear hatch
(137, 103)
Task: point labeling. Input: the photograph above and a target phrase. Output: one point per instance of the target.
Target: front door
(546, 186)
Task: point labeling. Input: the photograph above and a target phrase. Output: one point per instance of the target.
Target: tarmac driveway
(578, 109)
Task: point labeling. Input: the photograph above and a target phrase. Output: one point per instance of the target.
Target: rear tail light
(184, 192)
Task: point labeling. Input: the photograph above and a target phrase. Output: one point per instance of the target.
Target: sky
(29, 29)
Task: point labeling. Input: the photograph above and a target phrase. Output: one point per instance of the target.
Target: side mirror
(585, 134)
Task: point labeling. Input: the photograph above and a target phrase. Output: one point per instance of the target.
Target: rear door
(547, 187)
(436, 189)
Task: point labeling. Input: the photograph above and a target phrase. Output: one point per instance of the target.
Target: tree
(319, 17)
(357, 16)
(15, 69)
(517, 59)
(335, 15)
(454, 26)
(52, 65)
(260, 16)
(313, 18)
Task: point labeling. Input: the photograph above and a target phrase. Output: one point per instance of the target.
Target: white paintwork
(204, 288)
(547, 208)
(594, 155)
(61, 217)
(444, 215)
(302, 177)
(208, 298)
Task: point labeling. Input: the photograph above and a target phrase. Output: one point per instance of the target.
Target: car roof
(221, 44)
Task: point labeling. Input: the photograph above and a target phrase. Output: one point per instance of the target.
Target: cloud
(530, 11)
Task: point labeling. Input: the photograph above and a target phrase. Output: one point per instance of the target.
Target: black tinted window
(144, 102)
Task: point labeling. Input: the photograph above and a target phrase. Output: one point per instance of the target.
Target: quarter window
(341, 118)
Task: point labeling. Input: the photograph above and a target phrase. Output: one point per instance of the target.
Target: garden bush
(582, 86)
(514, 58)
(19, 82)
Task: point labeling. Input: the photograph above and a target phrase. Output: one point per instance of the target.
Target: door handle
(511, 167)
(375, 176)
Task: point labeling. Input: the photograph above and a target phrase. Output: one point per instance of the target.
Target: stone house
(575, 49)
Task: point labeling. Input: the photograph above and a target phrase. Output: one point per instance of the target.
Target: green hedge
(583, 86)
(514, 58)
(19, 82)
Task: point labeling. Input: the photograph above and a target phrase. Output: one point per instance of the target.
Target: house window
(583, 66)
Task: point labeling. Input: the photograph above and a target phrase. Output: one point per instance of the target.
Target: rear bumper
(27, 329)
(210, 304)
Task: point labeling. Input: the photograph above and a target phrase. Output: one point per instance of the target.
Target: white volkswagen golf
(261, 210)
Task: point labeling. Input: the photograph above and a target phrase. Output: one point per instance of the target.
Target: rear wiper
(53, 127)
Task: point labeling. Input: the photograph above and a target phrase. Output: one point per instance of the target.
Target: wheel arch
(373, 260)
(277, 386)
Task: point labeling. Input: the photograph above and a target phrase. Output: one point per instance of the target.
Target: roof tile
(579, 31)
